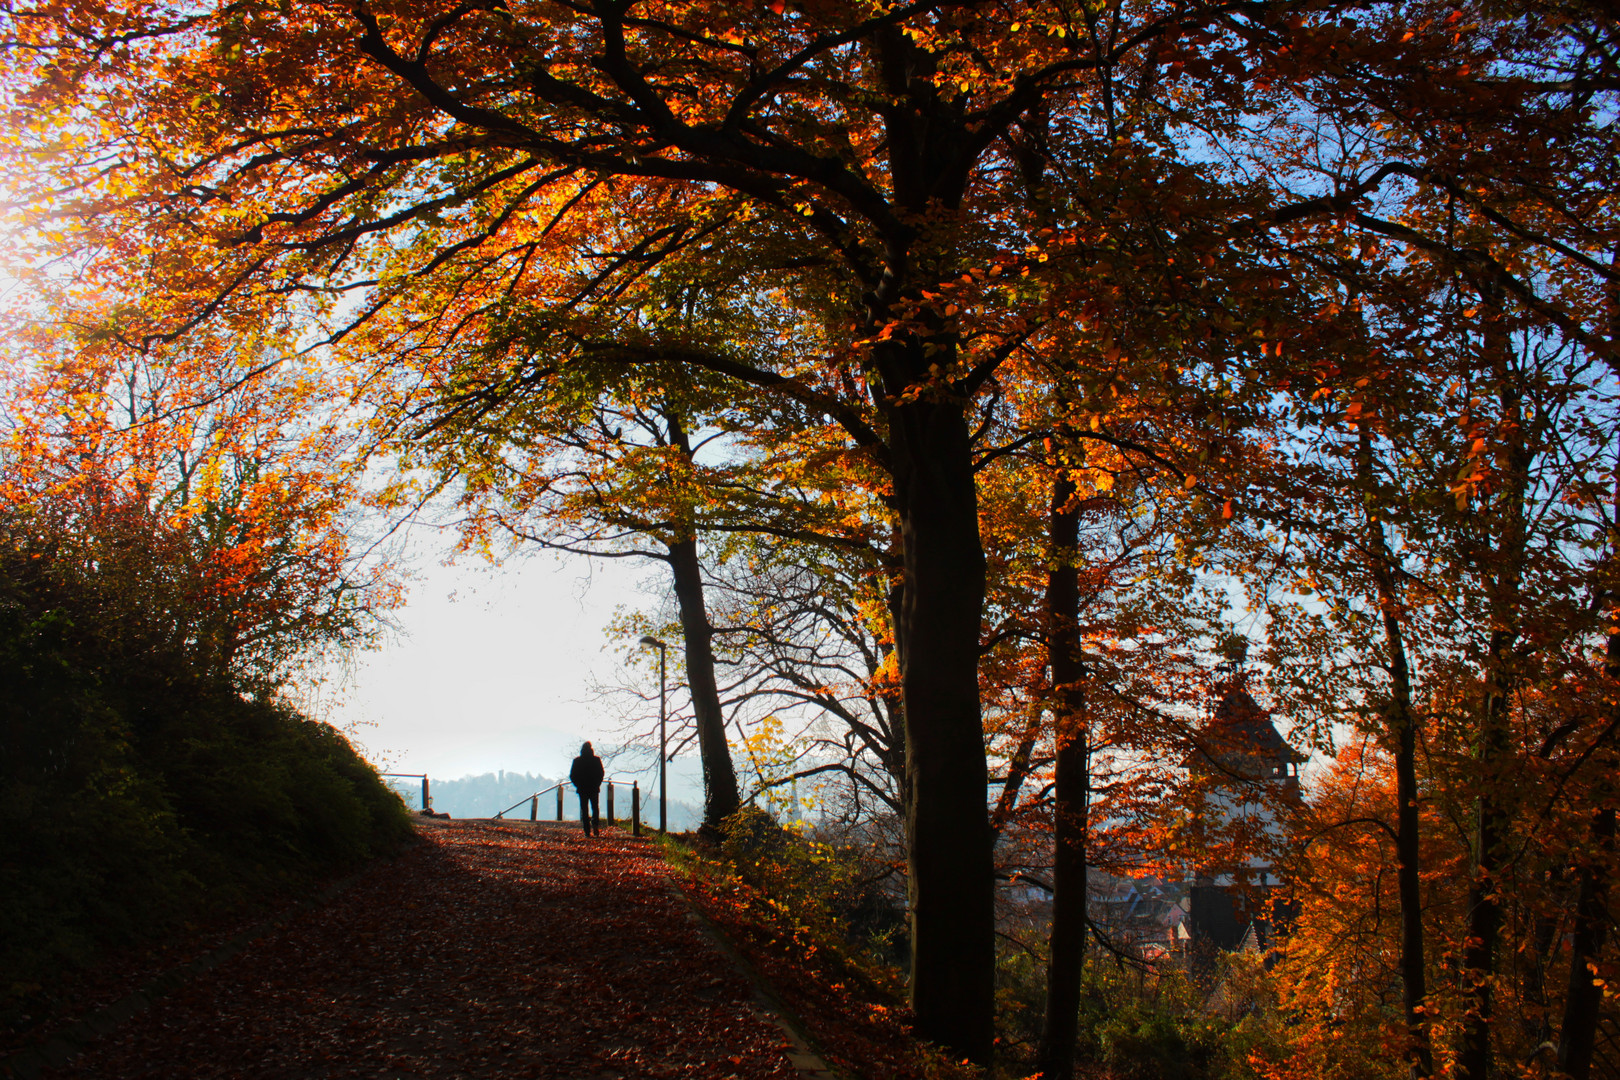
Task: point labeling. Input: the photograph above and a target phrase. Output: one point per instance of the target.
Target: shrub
(1148, 1023)
(138, 789)
(821, 894)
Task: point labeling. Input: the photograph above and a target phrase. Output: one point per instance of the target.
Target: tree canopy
(1048, 316)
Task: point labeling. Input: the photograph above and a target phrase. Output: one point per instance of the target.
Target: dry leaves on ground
(493, 949)
(856, 1015)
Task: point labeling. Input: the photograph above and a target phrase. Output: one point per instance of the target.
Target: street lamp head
(648, 639)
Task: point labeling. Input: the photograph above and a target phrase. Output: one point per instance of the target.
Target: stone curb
(68, 1043)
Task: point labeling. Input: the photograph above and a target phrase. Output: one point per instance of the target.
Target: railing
(534, 803)
(427, 802)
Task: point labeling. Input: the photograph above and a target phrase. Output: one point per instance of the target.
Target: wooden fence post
(534, 808)
(427, 801)
(635, 807)
(610, 802)
(559, 802)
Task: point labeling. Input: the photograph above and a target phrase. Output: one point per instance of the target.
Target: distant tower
(1246, 771)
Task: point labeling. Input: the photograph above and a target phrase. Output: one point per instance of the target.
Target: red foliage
(490, 950)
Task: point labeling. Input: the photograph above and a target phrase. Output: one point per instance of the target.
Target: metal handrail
(536, 795)
(554, 787)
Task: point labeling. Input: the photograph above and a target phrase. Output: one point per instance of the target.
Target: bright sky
(493, 668)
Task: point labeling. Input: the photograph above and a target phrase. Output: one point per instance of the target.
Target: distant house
(1147, 916)
(1246, 775)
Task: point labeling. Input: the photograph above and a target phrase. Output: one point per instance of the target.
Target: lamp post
(663, 735)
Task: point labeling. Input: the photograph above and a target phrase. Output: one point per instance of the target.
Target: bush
(1163, 1026)
(1148, 1023)
(820, 894)
(1154, 1045)
(140, 790)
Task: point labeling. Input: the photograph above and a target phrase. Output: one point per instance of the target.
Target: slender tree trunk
(951, 883)
(894, 698)
(1018, 770)
(1414, 991)
(1537, 1013)
(1403, 734)
(1071, 794)
(1484, 911)
(1491, 750)
(1584, 999)
(720, 796)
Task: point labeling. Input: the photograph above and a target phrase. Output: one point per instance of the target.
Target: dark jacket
(586, 775)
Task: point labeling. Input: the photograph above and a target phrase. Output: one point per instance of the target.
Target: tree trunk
(720, 796)
(1536, 1013)
(1403, 734)
(894, 696)
(951, 883)
(1504, 570)
(1484, 911)
(1409, 884)
(1584, 1000)
(1071, 790)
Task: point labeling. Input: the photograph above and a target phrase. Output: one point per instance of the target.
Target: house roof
(1240, 725)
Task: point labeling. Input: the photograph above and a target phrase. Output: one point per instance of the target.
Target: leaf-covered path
(490, 950)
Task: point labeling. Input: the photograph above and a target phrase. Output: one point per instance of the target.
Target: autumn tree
(809, 636)
(1419, 555)
(257, 482)
(174, 549)
(409, 179)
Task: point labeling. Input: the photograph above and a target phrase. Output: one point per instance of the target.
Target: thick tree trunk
(1403, 734)
(1584, 998)
(720, 796)
(1071, 793)
(951, 884)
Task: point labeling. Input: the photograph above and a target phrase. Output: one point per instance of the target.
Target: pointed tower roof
(1241, 726)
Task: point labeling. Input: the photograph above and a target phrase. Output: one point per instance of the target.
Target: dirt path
(491, 950)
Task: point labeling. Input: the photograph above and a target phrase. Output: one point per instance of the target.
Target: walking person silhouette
(586, 776)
